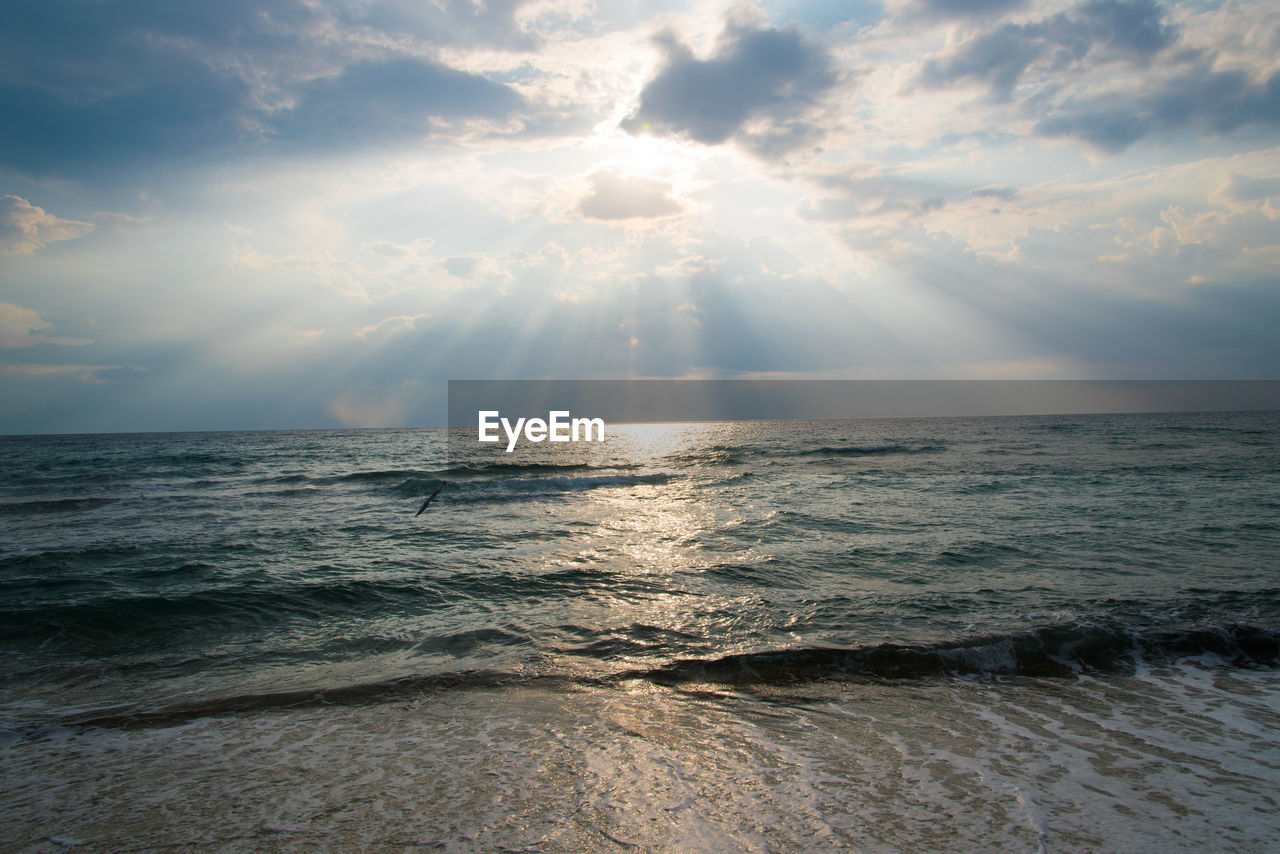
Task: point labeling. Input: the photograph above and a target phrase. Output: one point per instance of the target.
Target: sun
(643, 155)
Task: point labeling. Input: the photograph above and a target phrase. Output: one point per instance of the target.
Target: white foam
(1180, 758)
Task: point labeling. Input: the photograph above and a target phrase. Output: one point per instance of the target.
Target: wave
(1052, 652)
(870, 450)
(528, 488)
(738, 454)
(536, 468)
(1063, 650)
(122, 620)
(87, 615)
(411, 481)
(487, 490)
(126, 717)
(477, 470)
(54, 505)
(725, 455)
(380, 476)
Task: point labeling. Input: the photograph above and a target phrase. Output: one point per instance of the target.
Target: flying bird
(431, 498)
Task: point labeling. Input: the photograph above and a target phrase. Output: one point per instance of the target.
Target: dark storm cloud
(763, 74)
(1212, 102)
(87, 87)
(1100, 30)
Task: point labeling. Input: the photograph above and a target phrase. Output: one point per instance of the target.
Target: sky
(312, 213)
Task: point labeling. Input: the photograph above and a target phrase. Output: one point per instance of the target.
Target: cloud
(493, 22)
(615, 197)
(1194, 244)
(389, 325)
(871, 210)
(447, 177)
(25, 228)
(88, 101)
(462, 266)
(1003, 193)
(85, 373)
(964, 8)
(1212, 102)
(91, 87)
(387, 249)
(379, 102)
(754, 87)
(1100, 30)
(1112, 72)
(1244, 189)
(21, 327)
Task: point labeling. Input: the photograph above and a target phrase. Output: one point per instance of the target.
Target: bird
(431, 498)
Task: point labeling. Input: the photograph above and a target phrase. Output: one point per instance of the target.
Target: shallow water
(1177, 756)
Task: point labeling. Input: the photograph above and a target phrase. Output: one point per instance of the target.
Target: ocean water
(974, 634)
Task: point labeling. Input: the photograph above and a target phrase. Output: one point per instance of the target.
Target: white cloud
(25, 228)
(616, 197)
(392, 325)
(22, 327)
(85, 373)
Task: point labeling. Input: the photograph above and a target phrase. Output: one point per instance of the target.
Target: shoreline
(1167, 756)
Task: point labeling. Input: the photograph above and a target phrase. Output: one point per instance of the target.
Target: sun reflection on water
(660, 548)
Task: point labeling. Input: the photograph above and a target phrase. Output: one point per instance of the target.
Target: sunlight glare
(645, 155)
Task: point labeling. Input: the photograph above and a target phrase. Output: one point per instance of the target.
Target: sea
(1026, 634)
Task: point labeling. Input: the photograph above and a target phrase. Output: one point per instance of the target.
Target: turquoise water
(902, 590)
